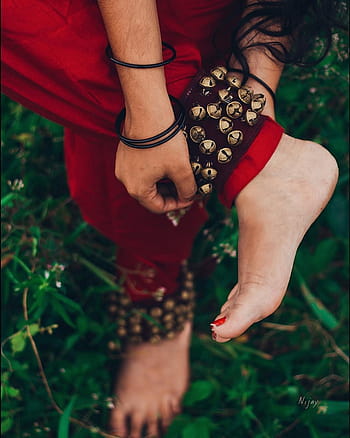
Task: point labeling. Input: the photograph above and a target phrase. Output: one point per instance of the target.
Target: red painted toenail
(219, 321)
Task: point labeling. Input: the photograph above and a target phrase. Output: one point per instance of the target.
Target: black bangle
(150, 142)
(109, 54)
(260, 81)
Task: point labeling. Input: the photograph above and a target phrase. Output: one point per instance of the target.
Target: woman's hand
(141, 170)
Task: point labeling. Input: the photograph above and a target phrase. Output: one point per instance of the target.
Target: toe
(175, 406)
(167, 414)
(117, 422)
(136, 423)
(244, 312)
(152, 425)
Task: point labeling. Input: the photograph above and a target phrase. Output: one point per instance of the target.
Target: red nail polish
(213, 335)
(219, 321)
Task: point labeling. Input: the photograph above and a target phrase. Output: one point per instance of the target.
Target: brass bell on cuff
(197, 112)
(196, 167)
(251, 117)
(206, 189)
(234, 109)
(225, 125)
(214, 110)
(209, 173)
(224, 155)
(258, 103)
(245, 94)
(218, 73)
(207, 147)
(225, 95)
(207, 82)
(235, 137)
(233, 80)
(197, 134)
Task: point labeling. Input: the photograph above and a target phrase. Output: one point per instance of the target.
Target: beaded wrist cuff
(151, 321)
(223, 119)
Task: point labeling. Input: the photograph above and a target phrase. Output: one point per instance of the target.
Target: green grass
(286, 377)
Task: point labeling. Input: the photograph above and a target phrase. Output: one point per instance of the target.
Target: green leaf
(329, 407)
(68, 301)
(63, 314)
(34, 328)
(12, 392)
(6, 200)
(199, 428)
(6, 425)
(18, 342)
(22, 264)
(63, 426)
(100, 273)
(318, 308)
(199, 390)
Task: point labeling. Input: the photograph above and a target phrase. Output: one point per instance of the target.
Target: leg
(152, 378)
(275, 210)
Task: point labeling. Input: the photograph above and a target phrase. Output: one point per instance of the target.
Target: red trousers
(53, 62)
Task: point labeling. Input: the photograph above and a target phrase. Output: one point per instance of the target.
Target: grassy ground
(286, 377)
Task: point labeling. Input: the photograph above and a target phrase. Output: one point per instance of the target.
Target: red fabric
(53, 62)
(253, 161)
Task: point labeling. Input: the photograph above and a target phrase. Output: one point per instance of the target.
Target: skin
(297, 192)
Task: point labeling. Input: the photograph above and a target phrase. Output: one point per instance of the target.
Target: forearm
(134, 35)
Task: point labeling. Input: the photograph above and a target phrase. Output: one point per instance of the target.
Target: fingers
(156, 203)
(185, 183)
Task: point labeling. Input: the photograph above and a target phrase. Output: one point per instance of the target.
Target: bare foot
(150, 386)
(275, 210)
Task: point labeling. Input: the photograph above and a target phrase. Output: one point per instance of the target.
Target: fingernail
(213, 335)
(218, 322)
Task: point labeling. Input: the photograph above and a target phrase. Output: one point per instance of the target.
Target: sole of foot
(275, 210)
(150, 385)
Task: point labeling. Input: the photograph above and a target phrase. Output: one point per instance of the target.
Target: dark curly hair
(297, 32)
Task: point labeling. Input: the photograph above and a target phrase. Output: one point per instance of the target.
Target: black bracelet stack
(156, 140)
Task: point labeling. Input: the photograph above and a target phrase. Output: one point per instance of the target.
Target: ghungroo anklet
(151, 321)
(222, 120)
